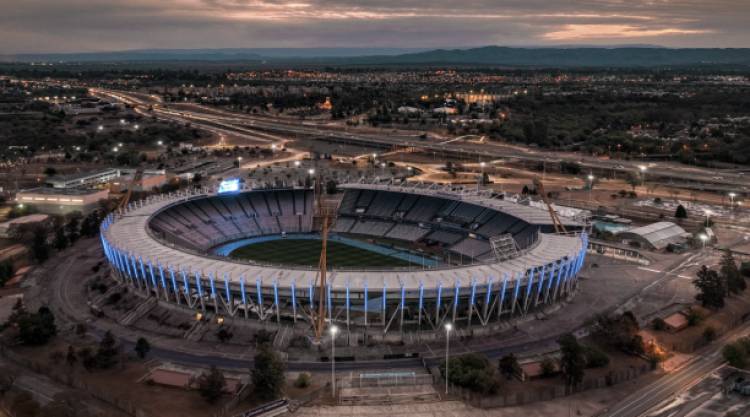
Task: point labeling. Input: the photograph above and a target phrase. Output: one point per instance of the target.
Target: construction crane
(559, 226)
(324, 213)
(126, 198)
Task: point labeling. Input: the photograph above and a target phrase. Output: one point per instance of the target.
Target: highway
(706, 361)
(226, 121)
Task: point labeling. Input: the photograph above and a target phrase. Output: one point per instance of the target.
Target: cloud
(597, 32)
(94, 25)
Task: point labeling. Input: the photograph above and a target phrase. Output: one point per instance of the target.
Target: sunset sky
(105, 25)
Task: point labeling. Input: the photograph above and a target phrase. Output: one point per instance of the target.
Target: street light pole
(334, 330)
(591, 185)
(481, 175)
(448, 328)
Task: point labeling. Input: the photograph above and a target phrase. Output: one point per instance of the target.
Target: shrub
(211, 385)
(658, 324)
(694, 317)
(300, 342)
(473, 372)
(595, 358)
(508, 366)
(303, 380)
(224, 335)
(709, 334)
(267, 373)
(548, 366)
(745, 269)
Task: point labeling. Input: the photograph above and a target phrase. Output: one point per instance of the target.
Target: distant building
(84, 180)
(62, 200)
(656, 236)
(7, 228)
(408, 110)
(149, 180)
(445, 110)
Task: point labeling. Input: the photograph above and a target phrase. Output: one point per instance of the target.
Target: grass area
(307, 252)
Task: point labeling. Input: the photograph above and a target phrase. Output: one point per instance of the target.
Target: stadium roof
(130, 233)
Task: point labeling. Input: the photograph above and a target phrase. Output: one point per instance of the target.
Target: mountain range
(558, 57)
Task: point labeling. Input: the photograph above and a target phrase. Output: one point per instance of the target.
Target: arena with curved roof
(465, 257)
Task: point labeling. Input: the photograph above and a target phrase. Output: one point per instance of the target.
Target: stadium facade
(163, 246)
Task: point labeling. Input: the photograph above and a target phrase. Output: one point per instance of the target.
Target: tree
(211, 385)
(6, 272)
(39, 245)
(596, 358)
(572, 361)
(680, 213)
(548, 367)
(473, 372)
(61, 240)
(268, 373)
(735, 354)
(658, 324)
(730, 274)
(633, 181)
(142, 347)
(620, 332)
(70, 357)
(72, 227)
(745, 269)
(224, 335)
(509, 366)
(36, 328)
(709, 334)
(331, 187)
(90, 225)
(106, 353)
(711, 288)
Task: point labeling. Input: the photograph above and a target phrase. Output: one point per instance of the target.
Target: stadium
(401, 259)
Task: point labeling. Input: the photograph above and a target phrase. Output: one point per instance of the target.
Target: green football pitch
(307, 252)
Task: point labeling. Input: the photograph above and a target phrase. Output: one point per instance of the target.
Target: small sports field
(306, 252)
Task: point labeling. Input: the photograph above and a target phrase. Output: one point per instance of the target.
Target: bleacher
(342, 225)
(445, 237)
(206, 221)
(424, 209)
(420, 217)
(472, 248)
(371, 227)
(384, 205)
(407, 232)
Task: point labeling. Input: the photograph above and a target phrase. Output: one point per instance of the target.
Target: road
(706, 361)
(240, 123)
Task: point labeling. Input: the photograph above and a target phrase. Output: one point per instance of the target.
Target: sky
(33, 26)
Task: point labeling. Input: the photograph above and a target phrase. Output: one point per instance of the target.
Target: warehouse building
(62, 200)
(655, 236)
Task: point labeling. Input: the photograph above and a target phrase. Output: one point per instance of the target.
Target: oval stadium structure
(460, 256)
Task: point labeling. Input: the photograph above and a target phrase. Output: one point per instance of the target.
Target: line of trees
(714, 286)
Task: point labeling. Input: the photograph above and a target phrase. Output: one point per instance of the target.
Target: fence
(546, 393)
